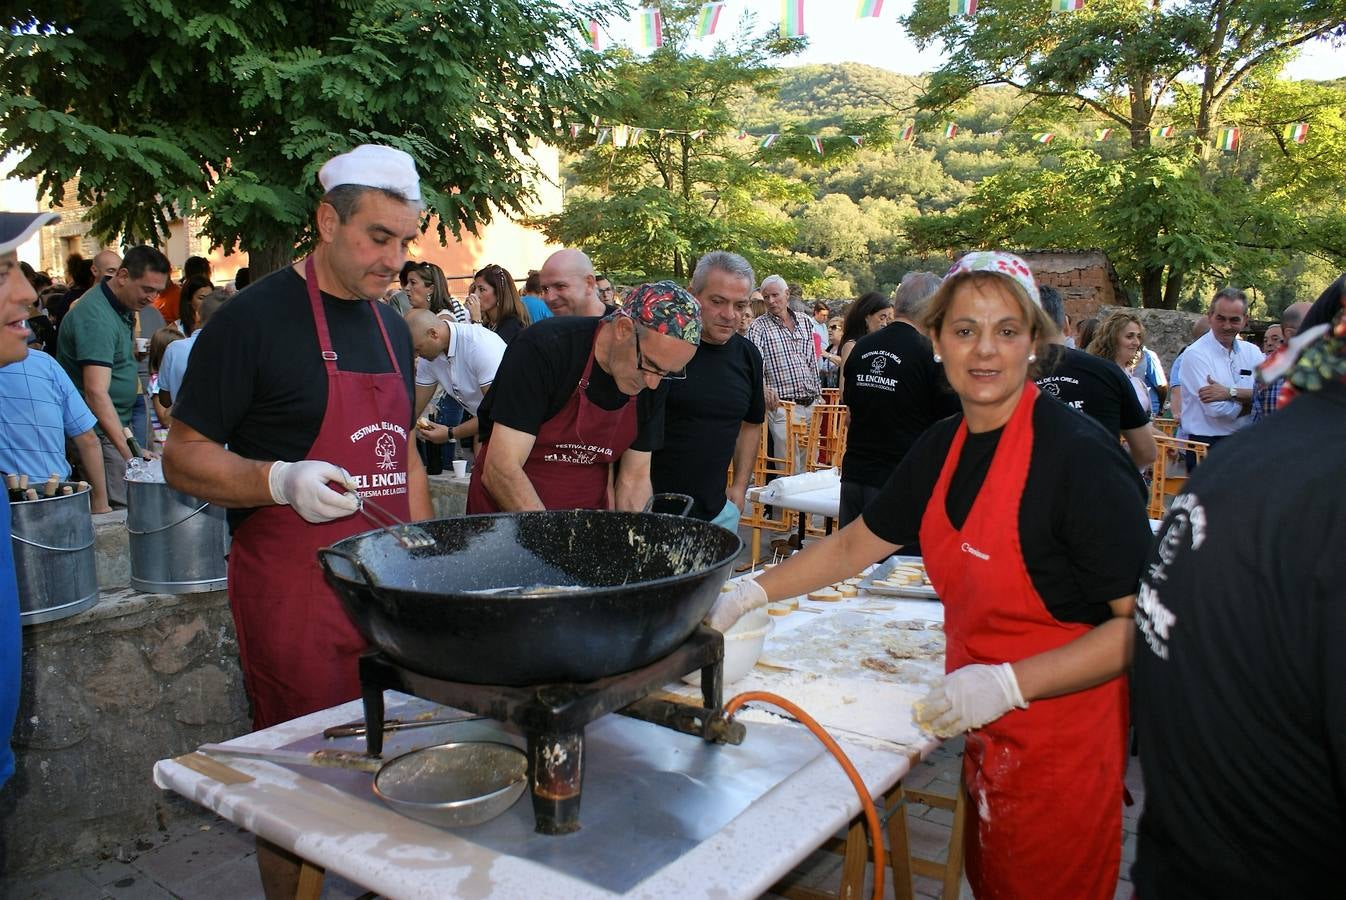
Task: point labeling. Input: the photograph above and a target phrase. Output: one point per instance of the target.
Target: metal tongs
(411, 537)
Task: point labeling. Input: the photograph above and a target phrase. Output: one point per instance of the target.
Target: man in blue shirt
(39, 408)
(15, 295)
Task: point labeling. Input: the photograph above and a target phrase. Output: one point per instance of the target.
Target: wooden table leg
(899, 847)
(310, 882)
(854, 861)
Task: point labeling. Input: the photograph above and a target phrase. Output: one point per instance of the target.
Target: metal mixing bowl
(454, 785)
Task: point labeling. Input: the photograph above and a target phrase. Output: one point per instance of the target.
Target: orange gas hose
(871, 814)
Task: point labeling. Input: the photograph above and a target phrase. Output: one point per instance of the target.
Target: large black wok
(633, 586)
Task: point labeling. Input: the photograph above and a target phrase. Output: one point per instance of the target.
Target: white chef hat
(376, 166)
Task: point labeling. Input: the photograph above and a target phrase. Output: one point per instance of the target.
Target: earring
(937, 358)
(1032, 357)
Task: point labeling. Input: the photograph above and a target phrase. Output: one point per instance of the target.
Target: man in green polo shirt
(97, 351)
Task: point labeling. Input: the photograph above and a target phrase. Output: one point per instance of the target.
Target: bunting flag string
(1044, 137)
(1228, 140)
(1296, 132)
(769, 140)
(817, 144)
(950, 130)
(1162, 131)
(909, 133)
(651, 28)
(965, 8)
(858, 138)
(709, 19)
(869, 9)
(1064, 6)
(1102, 134)
(792, 18)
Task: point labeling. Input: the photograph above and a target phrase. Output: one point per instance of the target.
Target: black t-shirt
(256, 380)
(540, 372)
(1093, 385)
(1240, 674)
(702, 420)
(895, 391)
(509, 329)
(1082, 522)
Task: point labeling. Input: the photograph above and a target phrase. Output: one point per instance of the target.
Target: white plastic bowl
(742, 646)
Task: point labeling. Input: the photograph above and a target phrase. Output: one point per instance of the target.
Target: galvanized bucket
(54, 556)
(178, 542)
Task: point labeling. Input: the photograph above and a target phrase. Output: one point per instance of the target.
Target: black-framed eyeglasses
(679, 375)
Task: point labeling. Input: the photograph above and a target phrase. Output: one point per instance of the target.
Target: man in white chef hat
(296, 401)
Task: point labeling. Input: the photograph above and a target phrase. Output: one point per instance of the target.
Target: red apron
(1044, 783)
(297, 646)
(574, 449)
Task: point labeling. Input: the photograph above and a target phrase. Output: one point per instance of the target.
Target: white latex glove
(969, 698)
(304, 486)
(732, 605)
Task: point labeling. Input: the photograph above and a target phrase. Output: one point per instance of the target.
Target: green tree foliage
(689, 184)
(1125, 62)
(226, 108)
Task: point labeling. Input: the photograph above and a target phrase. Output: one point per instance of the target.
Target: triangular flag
(1044, 137)
(769, 140)
(792, 18)
(1228, 139)
(909, 133)
(869, 9)
(1061, 6)
(651, 28)
(817, 143)
(709, 19)
(697, 135)
(858, 138)
(575, 131)
(602, 136)
(1102, 134)
(620, 135)
(1296, 132)
(593, 33)
(963, 8)
(950, 130)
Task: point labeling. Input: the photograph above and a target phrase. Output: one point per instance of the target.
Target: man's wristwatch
(1233, 393)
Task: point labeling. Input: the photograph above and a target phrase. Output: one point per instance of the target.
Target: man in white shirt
(461, 359)
(1217, 373)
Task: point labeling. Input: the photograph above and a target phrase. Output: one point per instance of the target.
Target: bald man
(106, 263)
(568, 285)
(1266, 397)
(462, 359)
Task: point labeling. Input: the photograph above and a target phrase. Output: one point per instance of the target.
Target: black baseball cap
(17, 227)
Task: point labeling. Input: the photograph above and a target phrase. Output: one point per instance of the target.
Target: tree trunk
(266, 257)
(1151, 287)
(1173, 287)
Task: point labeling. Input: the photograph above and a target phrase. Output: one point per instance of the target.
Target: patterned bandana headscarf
(1317, 355)
(665, 308)
(998, 262)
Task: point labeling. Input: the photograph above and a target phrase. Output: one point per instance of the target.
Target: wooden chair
(1165, 426)
(854, 849)
(1165, 484)
(755, 516)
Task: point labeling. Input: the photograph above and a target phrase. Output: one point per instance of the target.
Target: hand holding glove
(732, 605)
(969, 698)
(305, 486)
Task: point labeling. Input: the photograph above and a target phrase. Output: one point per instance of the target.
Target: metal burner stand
(553, 716)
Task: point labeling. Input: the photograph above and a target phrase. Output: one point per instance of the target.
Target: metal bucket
(178, 543)
(54, 556)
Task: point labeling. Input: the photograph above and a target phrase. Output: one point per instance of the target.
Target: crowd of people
(987, 433)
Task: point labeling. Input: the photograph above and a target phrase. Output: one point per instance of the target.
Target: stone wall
(135, 679)
(1085, 279)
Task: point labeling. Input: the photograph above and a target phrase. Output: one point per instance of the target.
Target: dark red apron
(1044, 783)
(572, 454)
(297, 646)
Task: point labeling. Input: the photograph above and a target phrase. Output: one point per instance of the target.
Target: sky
(836, 35)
